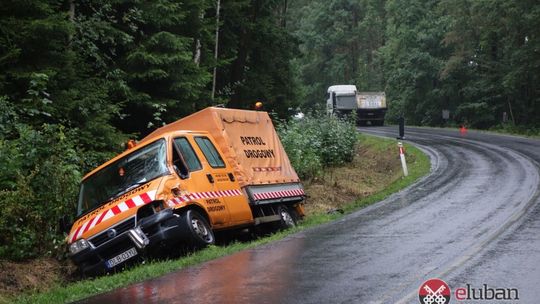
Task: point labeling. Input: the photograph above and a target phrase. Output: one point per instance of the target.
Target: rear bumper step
(267, 219)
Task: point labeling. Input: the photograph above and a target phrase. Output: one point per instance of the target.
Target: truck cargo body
(371, 107)
(214, 170)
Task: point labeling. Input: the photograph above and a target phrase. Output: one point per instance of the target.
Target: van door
(196, 182)
(225, 181)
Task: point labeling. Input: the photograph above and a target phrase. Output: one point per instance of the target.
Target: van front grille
(102, 238)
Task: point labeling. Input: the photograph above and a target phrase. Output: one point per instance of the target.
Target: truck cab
(341, 100)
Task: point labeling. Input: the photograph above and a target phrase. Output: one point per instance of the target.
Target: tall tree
(259, 48)
(339, 43)
(413, 56)
(43, 71)
(494, 54)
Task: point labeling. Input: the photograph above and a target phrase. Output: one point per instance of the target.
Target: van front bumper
(158, 228)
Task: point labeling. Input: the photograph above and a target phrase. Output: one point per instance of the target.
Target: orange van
(216, 169)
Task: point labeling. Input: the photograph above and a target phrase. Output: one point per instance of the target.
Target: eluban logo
(486, 293)
(434, 291)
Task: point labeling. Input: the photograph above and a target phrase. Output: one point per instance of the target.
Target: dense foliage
(78, 77)
(318, 141)
(479, 59)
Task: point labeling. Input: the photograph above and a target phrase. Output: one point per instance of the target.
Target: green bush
(41, 170)
(317, 141)
(38, 187)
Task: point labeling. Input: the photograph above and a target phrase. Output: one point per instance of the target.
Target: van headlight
(78, 246)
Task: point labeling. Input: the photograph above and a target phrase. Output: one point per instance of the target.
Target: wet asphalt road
(474, 220)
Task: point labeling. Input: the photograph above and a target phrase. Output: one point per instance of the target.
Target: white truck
(370, 107)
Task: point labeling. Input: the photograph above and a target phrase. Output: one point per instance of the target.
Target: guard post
(402, 157)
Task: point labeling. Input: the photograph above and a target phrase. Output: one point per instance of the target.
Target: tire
(287, 218)
(200, 234)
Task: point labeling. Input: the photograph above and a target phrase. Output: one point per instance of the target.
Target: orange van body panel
(247, 139)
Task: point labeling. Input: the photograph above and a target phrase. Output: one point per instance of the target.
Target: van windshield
(125, 174)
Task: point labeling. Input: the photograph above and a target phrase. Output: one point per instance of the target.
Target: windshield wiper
(133, 186)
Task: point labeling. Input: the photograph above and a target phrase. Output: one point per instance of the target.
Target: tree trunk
(71, 12)
(283, 17)
(239, 65)
(198, 45)
(218, 3)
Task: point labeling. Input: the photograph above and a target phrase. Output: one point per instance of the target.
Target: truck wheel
(201, 235)
(288, 220)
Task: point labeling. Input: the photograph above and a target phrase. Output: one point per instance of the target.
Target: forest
(80, 77)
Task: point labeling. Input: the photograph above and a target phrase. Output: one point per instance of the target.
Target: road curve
(474, 220)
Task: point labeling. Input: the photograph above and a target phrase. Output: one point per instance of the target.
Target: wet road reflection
(258, 275)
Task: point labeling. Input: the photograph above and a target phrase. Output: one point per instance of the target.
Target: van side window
(179, 164)
(210, 152)
(189, 156)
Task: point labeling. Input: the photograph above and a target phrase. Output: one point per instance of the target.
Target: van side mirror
(65, 223)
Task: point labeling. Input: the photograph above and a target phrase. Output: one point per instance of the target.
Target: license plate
(122, 257)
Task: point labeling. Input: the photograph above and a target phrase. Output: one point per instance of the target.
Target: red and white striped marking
(278, 194)
(266, 169)
(202, 195)
(133, 202)
(402, 158)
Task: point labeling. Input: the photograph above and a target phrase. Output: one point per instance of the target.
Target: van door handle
(210, 178)
(231, 177)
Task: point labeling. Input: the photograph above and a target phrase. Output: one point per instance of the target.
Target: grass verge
(418, 165)
(528, 133)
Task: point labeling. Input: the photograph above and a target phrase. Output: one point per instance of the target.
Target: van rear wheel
(200, 233)
(287, 218)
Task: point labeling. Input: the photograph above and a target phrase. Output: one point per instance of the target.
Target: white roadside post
(402, 157)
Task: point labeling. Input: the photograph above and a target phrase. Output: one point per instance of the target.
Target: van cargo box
(250, 143)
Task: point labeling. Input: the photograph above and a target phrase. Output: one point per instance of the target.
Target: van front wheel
(201, 235)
